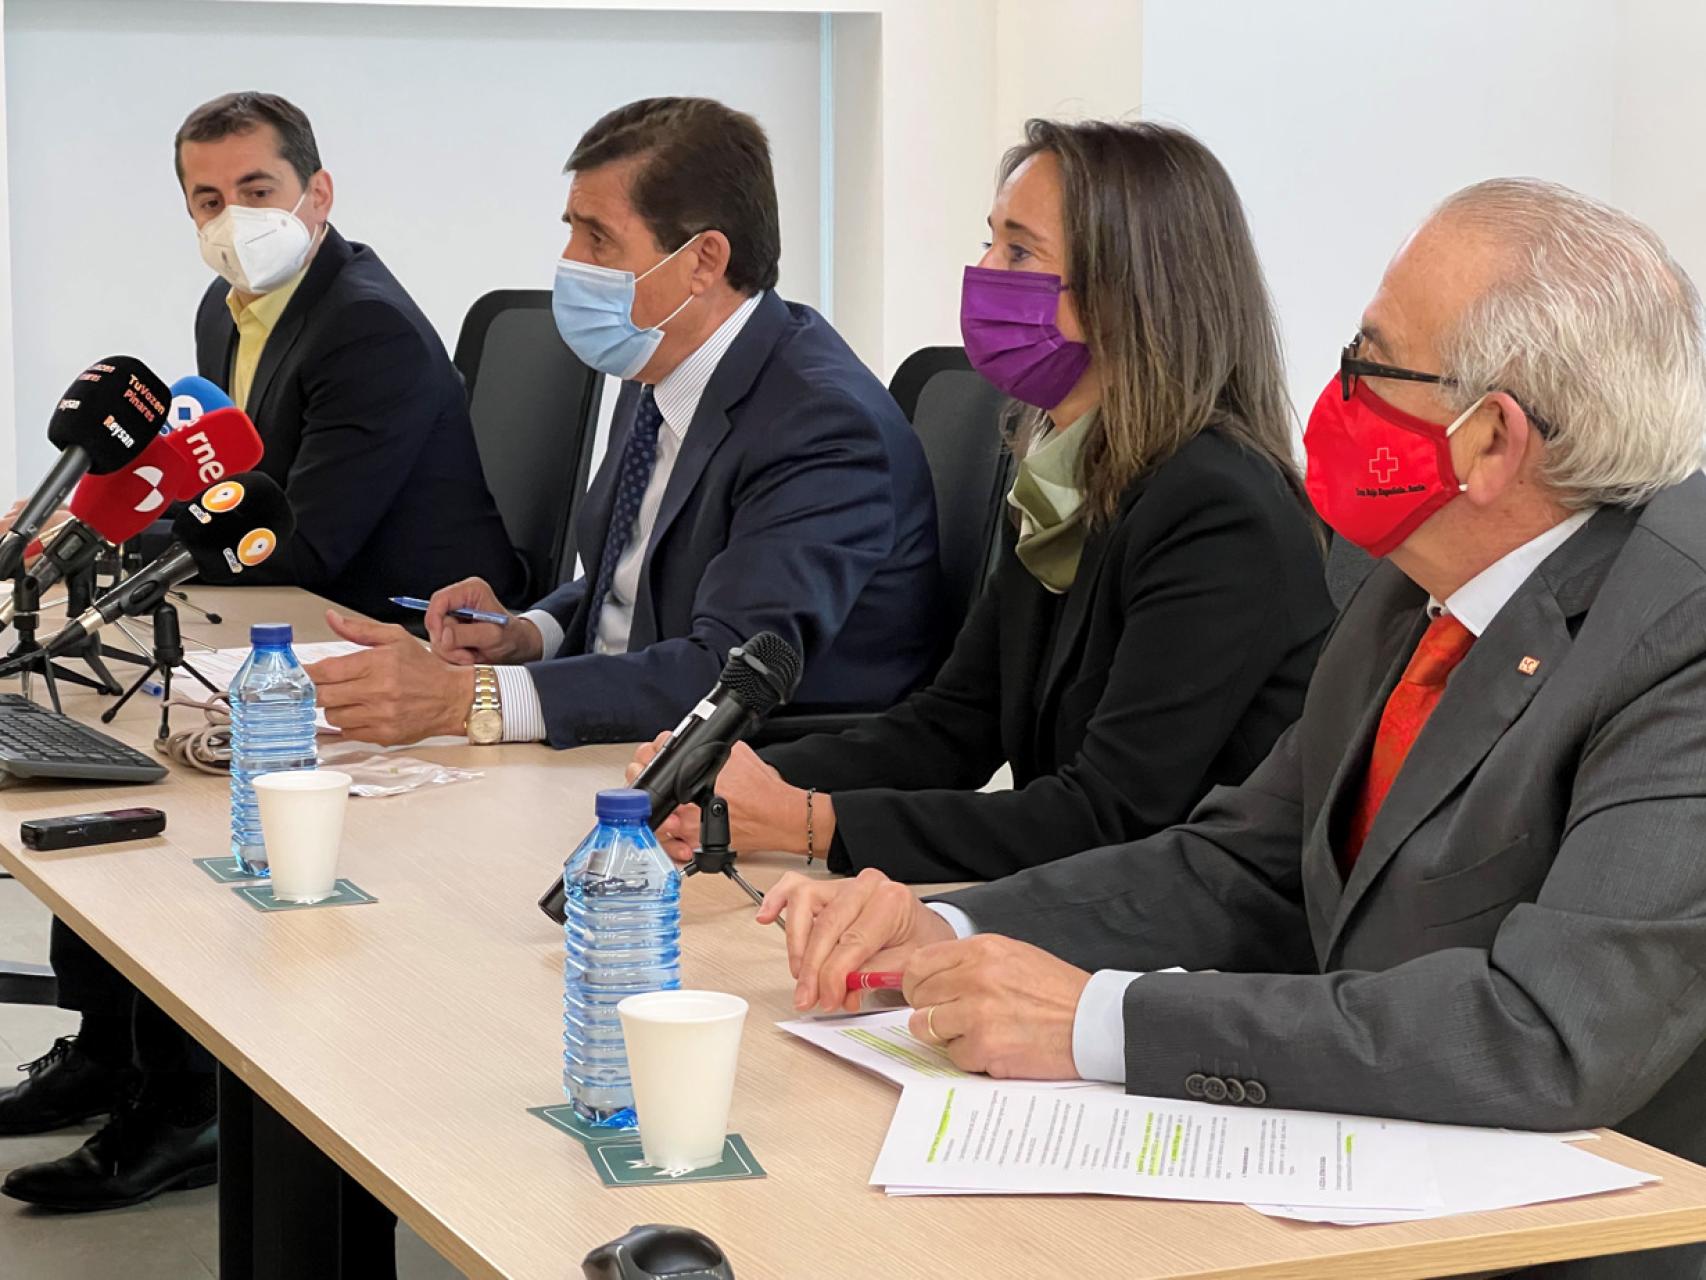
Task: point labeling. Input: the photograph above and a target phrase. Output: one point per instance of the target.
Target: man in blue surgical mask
(759, 477)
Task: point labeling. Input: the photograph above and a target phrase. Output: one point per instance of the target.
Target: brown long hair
(1171, 298)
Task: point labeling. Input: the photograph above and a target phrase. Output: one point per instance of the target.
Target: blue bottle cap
(270, 634)
(623, 804)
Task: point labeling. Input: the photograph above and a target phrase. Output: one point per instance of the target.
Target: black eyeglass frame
(1351, 367)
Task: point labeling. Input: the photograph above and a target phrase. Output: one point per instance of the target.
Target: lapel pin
(1528, 666)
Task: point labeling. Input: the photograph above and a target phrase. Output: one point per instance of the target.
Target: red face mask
(1376, 473)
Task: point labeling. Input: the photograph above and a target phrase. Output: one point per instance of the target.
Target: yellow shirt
(254, 325)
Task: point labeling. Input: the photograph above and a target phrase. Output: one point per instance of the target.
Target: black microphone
(233, 526)
(106, 418)
(759, 676)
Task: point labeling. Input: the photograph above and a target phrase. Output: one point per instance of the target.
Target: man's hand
(465, 643)
(765, 813)
(995, 1005)
(838, 927)
(394, 691)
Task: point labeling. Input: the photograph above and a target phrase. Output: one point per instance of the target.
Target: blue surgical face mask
(594, 308)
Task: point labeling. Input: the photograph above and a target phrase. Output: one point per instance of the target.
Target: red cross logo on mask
(1383, 465)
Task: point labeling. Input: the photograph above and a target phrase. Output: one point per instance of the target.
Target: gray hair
(1595, 330)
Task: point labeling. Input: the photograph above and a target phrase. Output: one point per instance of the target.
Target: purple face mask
(1007, 321)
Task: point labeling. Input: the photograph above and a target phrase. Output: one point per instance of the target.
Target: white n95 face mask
(256, 250)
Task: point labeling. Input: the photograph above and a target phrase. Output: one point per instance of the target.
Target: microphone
(103, 422)
(759, 676)
(114, 508)
(191, 398)
(234, 526)
(217, 444)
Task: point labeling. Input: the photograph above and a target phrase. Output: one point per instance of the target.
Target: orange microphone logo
(223, 497)
(256, 546)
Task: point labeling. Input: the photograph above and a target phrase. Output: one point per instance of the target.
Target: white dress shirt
(678, 395)
(1098, 1025)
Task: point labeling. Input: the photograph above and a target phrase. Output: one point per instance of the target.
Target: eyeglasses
(1351, 367)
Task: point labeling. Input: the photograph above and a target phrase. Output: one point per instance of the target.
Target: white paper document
(984, 1136)
(221, 665)
(1482, 1169)
(881, 1043)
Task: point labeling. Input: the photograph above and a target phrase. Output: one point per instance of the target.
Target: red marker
(873, 981)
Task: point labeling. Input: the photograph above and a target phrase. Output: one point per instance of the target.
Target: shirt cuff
(523, 713)
(1098, 1027)
(550, 634)
(957, 920)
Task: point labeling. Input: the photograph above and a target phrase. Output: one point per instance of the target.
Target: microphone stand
(79, 595)
(26, 595)
(168, 655)
(713, 856)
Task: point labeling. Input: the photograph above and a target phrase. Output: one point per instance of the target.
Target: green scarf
(1052, 520)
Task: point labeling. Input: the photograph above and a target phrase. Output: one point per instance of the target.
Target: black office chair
(957, 416)
(535, 411)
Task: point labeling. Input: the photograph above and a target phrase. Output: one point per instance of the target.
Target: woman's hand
(837, 927)
(765, 813)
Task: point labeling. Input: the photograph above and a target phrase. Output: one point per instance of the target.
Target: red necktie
(1443, 646)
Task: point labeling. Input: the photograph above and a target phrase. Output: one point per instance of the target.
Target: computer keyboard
(37, 742)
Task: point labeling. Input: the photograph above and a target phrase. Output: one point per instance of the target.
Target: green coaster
(225, 871)
(562, 1116)
(259, 896)
(623, 1164)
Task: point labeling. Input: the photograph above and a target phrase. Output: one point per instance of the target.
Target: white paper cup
(682, 1050)
(302, 822)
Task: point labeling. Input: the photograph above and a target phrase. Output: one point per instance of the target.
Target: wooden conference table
(405, 1040)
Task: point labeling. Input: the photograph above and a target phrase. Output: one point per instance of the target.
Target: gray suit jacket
(1523, 939)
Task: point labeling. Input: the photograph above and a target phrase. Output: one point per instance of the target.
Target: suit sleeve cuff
(523, 714)
(550, 637)
(1098, 1027)
(957, 920)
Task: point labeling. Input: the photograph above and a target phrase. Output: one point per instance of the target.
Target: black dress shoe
(141, 1152)
(65, 1086)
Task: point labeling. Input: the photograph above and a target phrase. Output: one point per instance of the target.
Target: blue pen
(461, 615)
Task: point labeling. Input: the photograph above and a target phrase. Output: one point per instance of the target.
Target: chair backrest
(1347, 566)
(957, 416)
(534, 406)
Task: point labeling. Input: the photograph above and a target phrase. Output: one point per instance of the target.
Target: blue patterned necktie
(633, 473)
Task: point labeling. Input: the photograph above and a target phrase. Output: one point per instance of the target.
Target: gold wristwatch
(486, 716)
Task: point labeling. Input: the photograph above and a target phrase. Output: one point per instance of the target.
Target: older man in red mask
(1466, 886)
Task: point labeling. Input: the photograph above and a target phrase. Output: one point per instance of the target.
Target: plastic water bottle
(272, 730)
(622, 935)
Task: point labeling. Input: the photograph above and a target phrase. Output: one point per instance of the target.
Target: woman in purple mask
(1155, 615)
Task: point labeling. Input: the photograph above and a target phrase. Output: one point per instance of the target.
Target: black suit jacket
(800, 503)
(365, 423)
(1171, 665)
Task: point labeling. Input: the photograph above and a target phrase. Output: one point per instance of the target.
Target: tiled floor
(175, 1237)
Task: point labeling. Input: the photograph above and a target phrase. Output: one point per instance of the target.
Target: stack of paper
(880, 1042)
(980, 1136)
(955, 1133)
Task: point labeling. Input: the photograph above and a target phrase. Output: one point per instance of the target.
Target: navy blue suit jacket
(366, 428)
(801, 503)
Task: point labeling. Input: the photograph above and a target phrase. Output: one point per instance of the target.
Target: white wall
(8, 457)
(1660, 123)
(1342, 122)
(445, 132)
